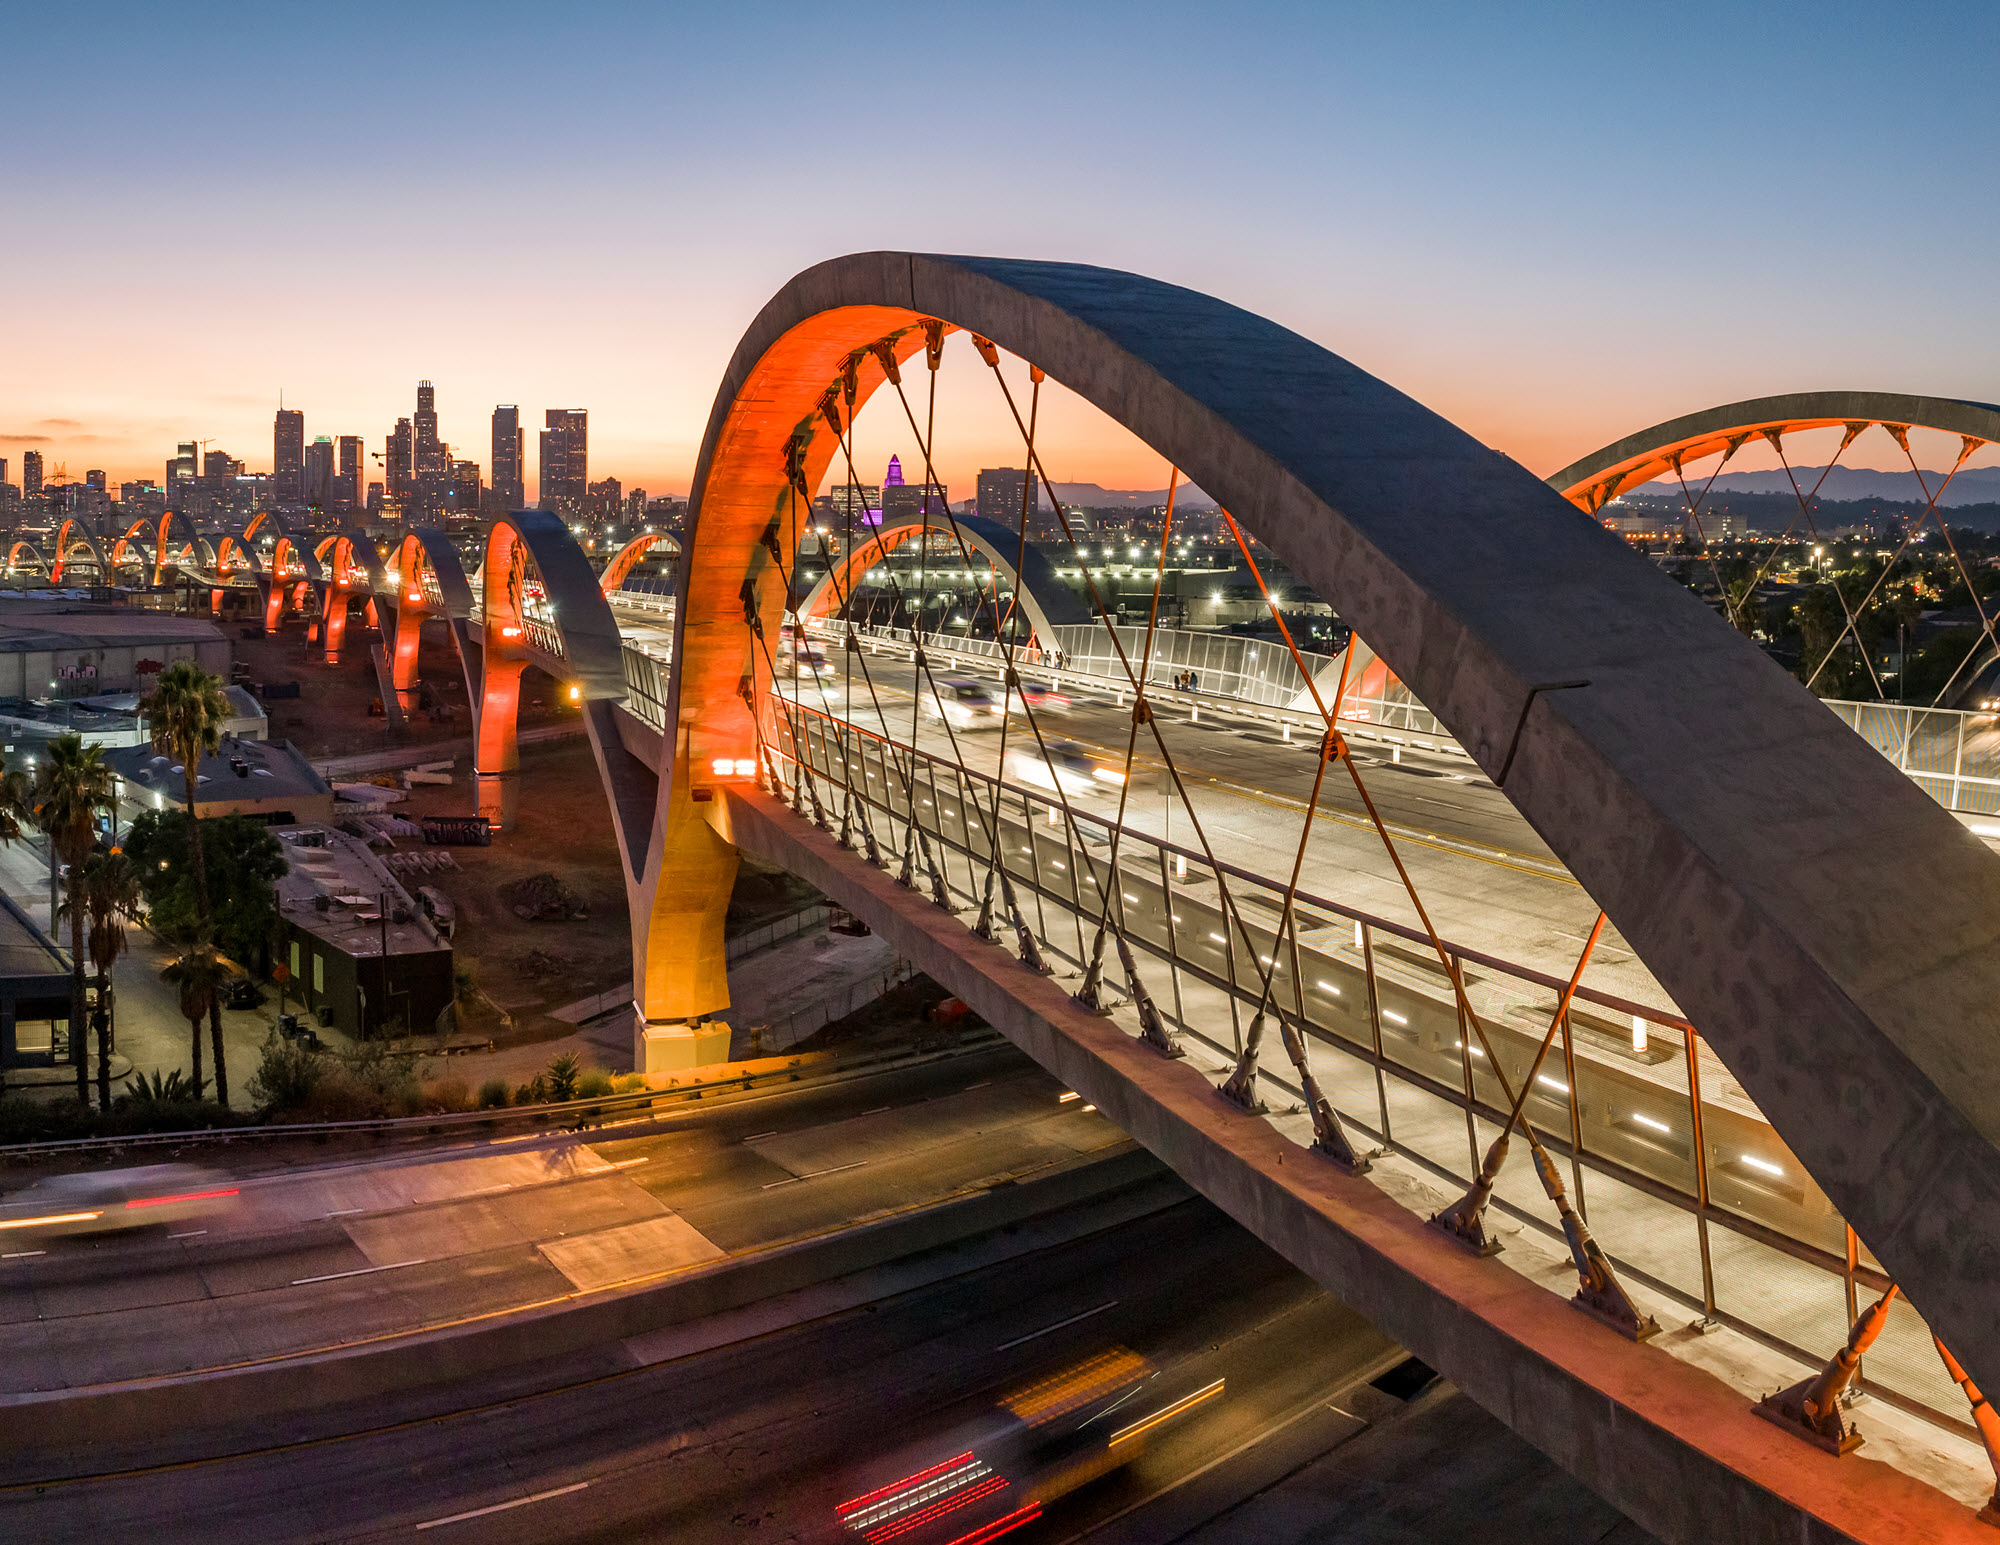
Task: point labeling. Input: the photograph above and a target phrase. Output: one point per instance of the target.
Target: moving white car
(964, 704)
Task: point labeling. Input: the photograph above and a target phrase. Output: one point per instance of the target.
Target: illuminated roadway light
(1650, 1123)
(1327, 987)
(1393, 1017)
(1763, 1164)
(1553, 1083)
(1218, 938)
(1066, 1096)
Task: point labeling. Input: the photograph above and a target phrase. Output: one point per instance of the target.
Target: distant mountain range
(1095, 496)
(1973, 485)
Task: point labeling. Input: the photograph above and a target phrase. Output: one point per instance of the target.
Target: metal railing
(1952, 755)
(1685, 1184)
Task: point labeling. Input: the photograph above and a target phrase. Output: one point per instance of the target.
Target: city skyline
(1408, 189)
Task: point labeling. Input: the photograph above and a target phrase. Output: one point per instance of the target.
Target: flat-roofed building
(267, 780)
(362, 955)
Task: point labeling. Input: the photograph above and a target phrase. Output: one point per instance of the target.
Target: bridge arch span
(629, 555)
(1602, 476)
(1645, 740)
(1038, 591)
(74, 541)
(540, 604)
(24, 554)
(426, 582)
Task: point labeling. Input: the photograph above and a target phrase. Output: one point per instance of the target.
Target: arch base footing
(671, 1045)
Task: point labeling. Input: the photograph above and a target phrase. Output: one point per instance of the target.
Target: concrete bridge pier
(496, 748)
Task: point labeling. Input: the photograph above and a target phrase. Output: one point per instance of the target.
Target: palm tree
(185, 712)
(198, 972)
(108, 887)
(71, 785)
(16, 812)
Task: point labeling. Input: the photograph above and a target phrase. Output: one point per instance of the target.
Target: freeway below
(269, 1267)
(1259, 1377)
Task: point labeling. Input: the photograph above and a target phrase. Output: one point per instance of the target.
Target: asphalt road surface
(765, 1439)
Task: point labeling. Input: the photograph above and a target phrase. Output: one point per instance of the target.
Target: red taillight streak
(192, 1196)
(1000, 1526)
(947, 1504)
(909, 1480)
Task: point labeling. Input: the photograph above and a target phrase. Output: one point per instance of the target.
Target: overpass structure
(1799, 1109)
(1752, 1083)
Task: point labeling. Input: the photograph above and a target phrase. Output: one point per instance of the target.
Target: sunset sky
(1553, 224)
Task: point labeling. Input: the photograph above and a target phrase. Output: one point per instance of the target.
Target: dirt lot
(330, 717)
(564, 829)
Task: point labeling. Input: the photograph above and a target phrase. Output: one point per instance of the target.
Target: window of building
(319, 973)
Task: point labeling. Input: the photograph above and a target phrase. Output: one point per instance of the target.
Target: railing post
(1708, 1320)
(1366, 936)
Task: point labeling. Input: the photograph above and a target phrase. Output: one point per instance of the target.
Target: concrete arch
(1646, 741)
(1598, 478)
(1037, 590)
(131, 549)
(173, 526)
(540, 604)
(629, 555)
(428, 582)
(73, 539)
(22, 552)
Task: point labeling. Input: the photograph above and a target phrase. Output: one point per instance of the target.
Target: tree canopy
(244, 864)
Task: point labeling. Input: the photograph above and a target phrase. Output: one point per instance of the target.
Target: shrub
(175, 1088)
(628, 1083)
(593, 1085)
(449, 1094)
(289, 1075)
(493, 1094)
(561, 1075)
(533, 1092)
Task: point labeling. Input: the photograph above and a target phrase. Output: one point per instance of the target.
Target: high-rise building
(1001, 491)
(463, 502)
(905, 501)
(350, 481)
(565, 460)
(317, 483)
(430, 466)
(185, 465)
(509, 446)
(396, 461)
(3, 472)
(288, 456)
(31, 474)
(94, 481)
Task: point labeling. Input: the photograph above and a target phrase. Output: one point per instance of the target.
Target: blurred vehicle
(1038, 697)
(1000, 1472)
(1068, 767)
(240, 992)
(106, 1200)
(964, 704)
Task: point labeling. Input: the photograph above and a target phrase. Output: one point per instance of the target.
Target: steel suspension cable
(1853, 621)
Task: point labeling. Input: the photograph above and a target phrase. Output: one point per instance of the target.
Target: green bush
(289, 1076)
(533, 1092)
(593, 1085)
(561, 1075)
(628, 1083)
(493, 1094)
(450, 1094)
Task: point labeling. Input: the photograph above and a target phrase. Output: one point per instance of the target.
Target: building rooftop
(356, 887)
(242, 769)
(55, 621)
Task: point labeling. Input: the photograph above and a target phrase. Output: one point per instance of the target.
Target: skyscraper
(350, 482)
(31, 474)
(1001, 490)
(430, 462)
(509, 442)
(464, 497)
(288, 452)
(396, 461)
(565, 460)
(318, 479)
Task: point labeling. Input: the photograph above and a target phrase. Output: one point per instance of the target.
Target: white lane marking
(814, 1174)
(983, 1083)
(190, 1234)
(628, 1163)
(878, 1110)
(758, 1137)
(1059, 1324)
(501, 1507)
(489, 1190)
(22, 1255)
(360, 1271)
(346, 1212)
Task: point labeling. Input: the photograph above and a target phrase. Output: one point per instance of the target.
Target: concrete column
(672, 1045)
(496, 749)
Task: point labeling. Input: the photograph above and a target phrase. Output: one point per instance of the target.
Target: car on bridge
(965, 704)
(110, 1200)
(1068, 769)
